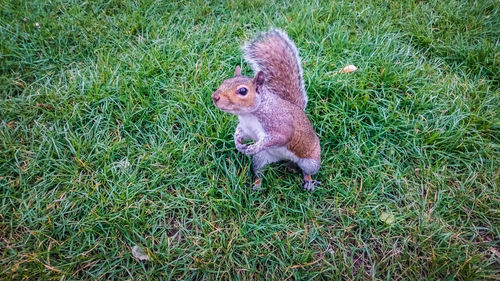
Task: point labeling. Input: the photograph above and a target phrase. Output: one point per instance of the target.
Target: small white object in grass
(387, 218)
(348, 69)
(124, 163)
(140, 39)
(139, 253)
(37, 25)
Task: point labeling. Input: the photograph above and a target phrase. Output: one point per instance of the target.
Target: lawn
(109, 139)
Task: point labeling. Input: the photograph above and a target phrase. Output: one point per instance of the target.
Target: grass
(109, 139)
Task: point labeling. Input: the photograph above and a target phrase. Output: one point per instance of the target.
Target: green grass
(109, 139)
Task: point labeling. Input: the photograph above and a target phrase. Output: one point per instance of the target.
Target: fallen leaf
(348, 69)
(387, 217)
(11, 124)
(139, 253)
(495, 252)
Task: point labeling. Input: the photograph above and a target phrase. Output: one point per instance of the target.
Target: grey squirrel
(270, 107)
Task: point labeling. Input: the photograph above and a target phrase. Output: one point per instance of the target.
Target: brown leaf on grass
(387, 217)
(18, 83)
(349, 68)
(52, 268)
(46, 106)
(139, 253)
(11, 124)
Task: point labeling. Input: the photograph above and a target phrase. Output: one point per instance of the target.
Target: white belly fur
(281, 153)
(252, 127)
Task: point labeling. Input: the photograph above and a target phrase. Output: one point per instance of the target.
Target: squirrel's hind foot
(310, 185)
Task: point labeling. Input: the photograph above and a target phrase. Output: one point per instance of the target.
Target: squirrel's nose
(215, 97)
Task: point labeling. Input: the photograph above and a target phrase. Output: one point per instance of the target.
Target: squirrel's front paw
(249, 149)
(240, 146)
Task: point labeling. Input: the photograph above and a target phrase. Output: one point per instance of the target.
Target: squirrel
(270, 107)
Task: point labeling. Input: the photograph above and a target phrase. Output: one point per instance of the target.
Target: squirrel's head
(239, 94)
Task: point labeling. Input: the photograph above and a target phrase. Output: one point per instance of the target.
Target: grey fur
(257, 62)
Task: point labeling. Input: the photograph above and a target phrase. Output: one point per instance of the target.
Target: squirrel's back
(276, 55)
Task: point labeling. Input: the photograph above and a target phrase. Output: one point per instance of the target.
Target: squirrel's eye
(242, 91)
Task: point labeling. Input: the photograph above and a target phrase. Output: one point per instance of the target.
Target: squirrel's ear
(237, 71)
(258, 79)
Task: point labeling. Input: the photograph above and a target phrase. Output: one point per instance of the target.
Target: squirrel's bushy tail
(276, 55)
